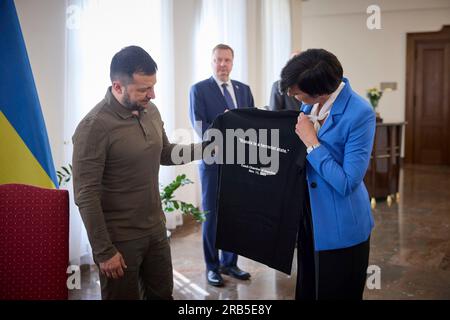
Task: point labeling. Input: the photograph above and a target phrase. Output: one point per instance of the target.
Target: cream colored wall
(370, 57)
(43, 28)
(296, 25)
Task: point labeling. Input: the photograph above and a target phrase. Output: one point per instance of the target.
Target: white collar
(326, 108)
(220, 82)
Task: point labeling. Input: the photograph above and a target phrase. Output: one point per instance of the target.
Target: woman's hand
(305, 130)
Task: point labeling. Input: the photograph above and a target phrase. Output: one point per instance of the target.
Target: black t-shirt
(260, 196)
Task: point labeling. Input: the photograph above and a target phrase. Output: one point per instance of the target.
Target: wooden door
(428, 98)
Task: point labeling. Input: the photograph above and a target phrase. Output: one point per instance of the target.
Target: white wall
(370, 57)
(43, 28)
(296, 25)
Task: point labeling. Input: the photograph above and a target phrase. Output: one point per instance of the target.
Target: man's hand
(112, 268)
(305, 130)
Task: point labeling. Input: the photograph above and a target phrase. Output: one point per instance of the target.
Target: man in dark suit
(279, 101)
(208, 99)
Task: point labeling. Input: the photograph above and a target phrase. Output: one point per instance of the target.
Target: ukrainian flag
(25, 155)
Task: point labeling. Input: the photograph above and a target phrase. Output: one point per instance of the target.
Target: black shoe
(214, 278)
(235, 272)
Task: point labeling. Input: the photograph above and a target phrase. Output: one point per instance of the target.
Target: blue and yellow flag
(25, 155)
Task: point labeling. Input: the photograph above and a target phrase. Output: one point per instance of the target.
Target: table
(382, 177)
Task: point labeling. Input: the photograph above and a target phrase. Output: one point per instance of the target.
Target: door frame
(411, 55)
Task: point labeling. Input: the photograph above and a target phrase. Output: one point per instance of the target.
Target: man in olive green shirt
(118, 148)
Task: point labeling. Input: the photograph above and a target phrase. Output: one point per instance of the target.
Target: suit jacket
(340, 204)
(282, 101)
(207, 102)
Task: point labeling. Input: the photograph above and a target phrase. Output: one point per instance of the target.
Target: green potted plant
(170, 204)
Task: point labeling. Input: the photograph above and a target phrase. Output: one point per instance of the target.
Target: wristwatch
(311, 148)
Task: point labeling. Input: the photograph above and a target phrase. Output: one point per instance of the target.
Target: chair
(34, 243)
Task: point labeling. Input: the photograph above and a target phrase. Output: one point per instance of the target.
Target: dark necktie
(227, 95)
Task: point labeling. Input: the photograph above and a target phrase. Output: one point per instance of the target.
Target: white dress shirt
(229, 87)
(326, 108)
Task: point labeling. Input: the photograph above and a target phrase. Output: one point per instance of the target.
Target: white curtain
(96, 30)
(259, 31)
(221, 21)
(276, 41)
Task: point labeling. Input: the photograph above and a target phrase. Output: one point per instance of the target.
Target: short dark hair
(314, 71)
(222, 46)
(131, 60)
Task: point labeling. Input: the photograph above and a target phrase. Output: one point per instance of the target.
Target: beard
(130, 104)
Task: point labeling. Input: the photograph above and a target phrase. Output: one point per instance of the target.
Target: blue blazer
(340, 205)
(207, 102)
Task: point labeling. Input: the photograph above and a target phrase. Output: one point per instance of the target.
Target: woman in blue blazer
(337, 126)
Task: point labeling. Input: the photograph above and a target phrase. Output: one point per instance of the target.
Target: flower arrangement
(374, 95)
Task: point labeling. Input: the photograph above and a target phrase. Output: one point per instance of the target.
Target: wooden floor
(410, 245)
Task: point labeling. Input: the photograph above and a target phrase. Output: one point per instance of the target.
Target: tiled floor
(410, 244)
